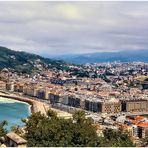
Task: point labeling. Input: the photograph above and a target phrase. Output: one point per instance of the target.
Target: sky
(57, 28)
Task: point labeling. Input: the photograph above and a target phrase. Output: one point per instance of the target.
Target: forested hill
(25, 62)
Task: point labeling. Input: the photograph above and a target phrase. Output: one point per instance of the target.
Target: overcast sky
(73, 27)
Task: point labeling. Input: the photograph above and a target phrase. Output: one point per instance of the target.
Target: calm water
(13, 111)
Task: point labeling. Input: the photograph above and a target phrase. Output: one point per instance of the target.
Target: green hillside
(26, 62)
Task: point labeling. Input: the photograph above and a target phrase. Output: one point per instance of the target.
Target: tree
(79, 116)
(144, 142)
(53, 131)
(51, 114)
(83, 133)
(17, 129)
(3, 131)
(116, 138)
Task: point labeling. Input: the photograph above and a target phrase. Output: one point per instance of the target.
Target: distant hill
(123, 56)
(26, 62)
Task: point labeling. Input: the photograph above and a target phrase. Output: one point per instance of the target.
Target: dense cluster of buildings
(115, 92)
(136, 126)
(92, 95)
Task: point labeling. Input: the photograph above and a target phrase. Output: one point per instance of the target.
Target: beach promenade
(36, 104)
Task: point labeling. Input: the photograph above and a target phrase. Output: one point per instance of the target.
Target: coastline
(15, 101)
(34, 105)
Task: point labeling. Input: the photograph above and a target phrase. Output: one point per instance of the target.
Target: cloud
(73, 27)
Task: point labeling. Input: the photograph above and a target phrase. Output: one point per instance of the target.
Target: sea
(13, 111)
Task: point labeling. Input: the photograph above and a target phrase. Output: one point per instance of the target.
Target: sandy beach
(36, 106)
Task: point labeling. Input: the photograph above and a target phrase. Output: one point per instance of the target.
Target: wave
(4, 100)
(8, 100)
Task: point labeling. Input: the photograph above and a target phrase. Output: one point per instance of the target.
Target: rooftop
(16, 138)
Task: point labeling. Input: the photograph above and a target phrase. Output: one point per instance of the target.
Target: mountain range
(20, 61)
(122, 56)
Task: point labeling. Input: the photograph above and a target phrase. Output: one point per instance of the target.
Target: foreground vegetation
(51, 131)
(3, 131)
(46, 131)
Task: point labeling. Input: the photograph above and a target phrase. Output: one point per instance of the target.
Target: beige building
(13, 140)
(30, 91)
(2, 86)
(137, 105)
(10, 86)
(111, 107)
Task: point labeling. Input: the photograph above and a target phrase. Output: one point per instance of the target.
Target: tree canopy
(116, 138)
(52, 131)
(3, 131)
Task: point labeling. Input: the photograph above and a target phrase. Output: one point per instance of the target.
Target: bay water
(13, 111)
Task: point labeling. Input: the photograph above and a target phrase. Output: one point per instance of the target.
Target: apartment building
(41, 93)
(10, 86)
(2, 86)
(30, 91)
(134, 105)
(53, 97)
(111, 107)
(93, 105)
(73, 101)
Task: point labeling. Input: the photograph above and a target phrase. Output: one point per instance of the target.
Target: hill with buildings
(26, 63)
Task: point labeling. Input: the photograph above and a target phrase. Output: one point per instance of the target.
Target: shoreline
(34, 105)
(21, 100)
(15, 101)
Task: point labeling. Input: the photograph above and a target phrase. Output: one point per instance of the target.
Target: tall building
(134, 105)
